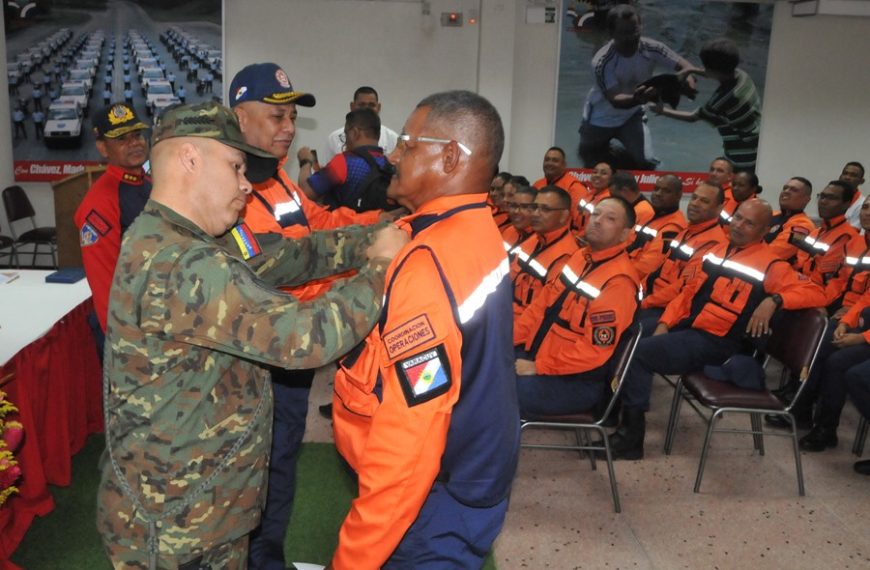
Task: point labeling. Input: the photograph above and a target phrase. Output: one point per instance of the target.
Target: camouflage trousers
(228, 556)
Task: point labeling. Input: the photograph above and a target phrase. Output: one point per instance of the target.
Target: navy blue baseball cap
(267, 83)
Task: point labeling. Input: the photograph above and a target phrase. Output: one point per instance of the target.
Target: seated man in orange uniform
(539, 260)
(624, 185)
(722, 173)
(790, 224)
(495, 199)
(566, 337)
(519, 207)
(556, 174)
(740, 286)
(652, 240)
(684, 254)
(409, 402)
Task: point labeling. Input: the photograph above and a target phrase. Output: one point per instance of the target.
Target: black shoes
(325, 411)
(627, 441)
(803, 419)
(863, 467)
(819, 439)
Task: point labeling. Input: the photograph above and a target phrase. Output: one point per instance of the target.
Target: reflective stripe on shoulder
(725, 216)
(734, 266)
(487, 287)
(580, 285)
(648, 231)
(282, 208)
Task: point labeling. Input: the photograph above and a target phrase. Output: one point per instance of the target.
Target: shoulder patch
(424, 376)
(603, 336)
(88, 235)
(98, 223)
(408, 335)
(246, 241)
(602, 317)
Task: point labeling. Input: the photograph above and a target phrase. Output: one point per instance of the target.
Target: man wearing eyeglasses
(425, 410)
(352, 178)
(566, 337)
(539, 260)
(519, 207)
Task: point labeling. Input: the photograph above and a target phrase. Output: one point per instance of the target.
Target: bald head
(750, 222)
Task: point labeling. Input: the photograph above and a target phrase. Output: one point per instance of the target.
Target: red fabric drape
(57, 389)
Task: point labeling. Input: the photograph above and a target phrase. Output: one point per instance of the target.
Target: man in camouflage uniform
(190, 328)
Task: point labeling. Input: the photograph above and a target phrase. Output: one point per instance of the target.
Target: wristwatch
(777, 299)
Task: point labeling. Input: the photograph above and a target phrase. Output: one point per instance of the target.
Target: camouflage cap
(212, 120)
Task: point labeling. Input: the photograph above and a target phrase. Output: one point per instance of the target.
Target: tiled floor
(747, 515)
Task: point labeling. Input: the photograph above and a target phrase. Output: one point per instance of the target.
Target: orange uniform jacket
(409, 402)
(852, 315)
(855, 274)
(576, 189)
(786, 229)
(729, 206)
(537, 262)
(584, 209)
(822, 255)
(652, 241)
(643, 211)
(573, 325)
(732, 282)
(278, 205)
(512, 237)
(684, 258)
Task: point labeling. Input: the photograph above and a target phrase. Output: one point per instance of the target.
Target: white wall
(817, 100)
(815, 113)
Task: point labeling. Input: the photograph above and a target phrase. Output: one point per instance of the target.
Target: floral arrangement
(11, 434)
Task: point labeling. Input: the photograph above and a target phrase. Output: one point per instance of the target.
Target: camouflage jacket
(188, 405)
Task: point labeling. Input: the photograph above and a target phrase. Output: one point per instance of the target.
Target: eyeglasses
(828, 196)
(407, 139)
(544, 209)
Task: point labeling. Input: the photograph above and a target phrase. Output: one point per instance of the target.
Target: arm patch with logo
(245, 240)
(603, 336)
(424, 376)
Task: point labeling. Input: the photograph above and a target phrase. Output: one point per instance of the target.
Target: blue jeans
(290, 389)
(595, 142)
(448, 534)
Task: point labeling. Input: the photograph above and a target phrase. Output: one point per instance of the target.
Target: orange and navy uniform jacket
(576, 189)
(431, 392)
(729, 206)
(683, 259)
(538, 261)
(855, 274)
(501, 218)
(584, 209)
(512, 237)
(573, 325)
(854, 313)
(731, 284)
(107, 210)
(822, 255)
(652, 241)
(787, 229)
(278, 205)
(643, 211)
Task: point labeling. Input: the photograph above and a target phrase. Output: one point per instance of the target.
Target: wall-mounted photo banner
(67, 60)
(661, 86)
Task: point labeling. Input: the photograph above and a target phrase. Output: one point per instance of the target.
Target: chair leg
(710, 425)
(797, 456)
(860, 437)
(583, 440)
(674, 416)
(614, 491)
(758, 433)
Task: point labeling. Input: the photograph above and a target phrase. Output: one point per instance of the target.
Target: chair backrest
(17, 204)
(796, 338)
(621, 361)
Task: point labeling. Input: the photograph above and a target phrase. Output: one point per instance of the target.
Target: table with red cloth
(45, 340)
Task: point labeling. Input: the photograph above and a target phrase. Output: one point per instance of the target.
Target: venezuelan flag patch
(246, 241)
(424, 376)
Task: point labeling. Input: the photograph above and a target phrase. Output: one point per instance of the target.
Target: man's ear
(242, 115)
(450, 157)
(101, 148)
(190, 157)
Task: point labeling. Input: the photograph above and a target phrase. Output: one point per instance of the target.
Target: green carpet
(68, 539)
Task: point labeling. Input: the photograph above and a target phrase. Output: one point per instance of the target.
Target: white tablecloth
(29, 307)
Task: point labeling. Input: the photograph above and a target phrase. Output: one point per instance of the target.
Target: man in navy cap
(266, 104)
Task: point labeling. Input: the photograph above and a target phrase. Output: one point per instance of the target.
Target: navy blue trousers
(858, 386)
(565, 394)
(448, 534)
(678, 352)
(649, 319)
(290, 389)
(842, 367)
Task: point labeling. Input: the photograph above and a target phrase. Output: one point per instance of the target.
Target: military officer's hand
(387, 242)
(849, 339)
(760, 320)
(305, 153)
(840, 331)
